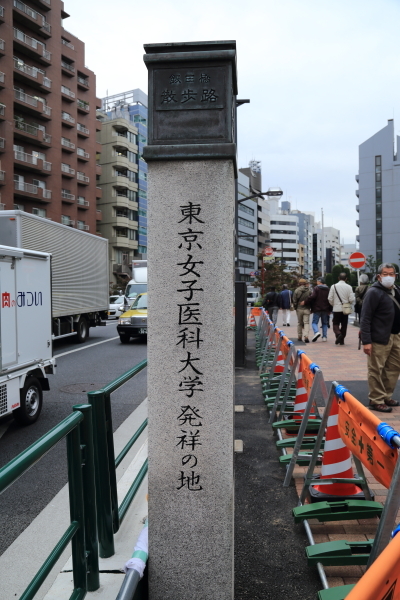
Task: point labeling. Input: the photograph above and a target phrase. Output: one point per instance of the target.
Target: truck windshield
(133, 289)
(140, 302)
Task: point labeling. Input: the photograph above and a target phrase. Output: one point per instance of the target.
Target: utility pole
(322, 244)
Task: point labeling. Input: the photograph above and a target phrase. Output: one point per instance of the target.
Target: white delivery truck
(138, 283)
(26, 353)
(79, 277)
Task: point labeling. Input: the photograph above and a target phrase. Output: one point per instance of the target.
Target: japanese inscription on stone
(190, 88)
(189, 340)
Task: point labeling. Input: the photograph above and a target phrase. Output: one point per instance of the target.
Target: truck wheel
(124, 338)
(31, 397)
(82, 330)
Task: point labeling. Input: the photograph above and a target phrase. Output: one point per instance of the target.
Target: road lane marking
(86, 347)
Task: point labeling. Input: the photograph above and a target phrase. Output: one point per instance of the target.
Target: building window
(378, 208)
(142, 249)
(142, 230)
(246, 264)
(245, 250)
(245, 222)
(39, 212)
(247, 209)
(142, 212)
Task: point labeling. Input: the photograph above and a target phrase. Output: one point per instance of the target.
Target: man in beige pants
(380, 335)
(303, 312)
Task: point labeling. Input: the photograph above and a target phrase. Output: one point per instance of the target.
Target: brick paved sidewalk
(343, 364)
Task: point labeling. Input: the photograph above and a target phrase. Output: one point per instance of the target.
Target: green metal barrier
(82, 532)
(109, 515)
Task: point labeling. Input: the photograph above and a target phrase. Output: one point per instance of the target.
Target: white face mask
(387, 281)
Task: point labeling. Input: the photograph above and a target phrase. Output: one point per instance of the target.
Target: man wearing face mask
(380, 335)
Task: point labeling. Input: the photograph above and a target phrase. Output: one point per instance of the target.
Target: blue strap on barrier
(387, 433)
(340, 390)
(300, 352)
(289, 343)
(281, 333)
(395, 531)
(314, 367)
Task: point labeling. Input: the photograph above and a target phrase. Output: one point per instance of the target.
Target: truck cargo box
(79, 260)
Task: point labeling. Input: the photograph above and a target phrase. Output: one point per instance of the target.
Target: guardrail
(109, 515)
(93, 497)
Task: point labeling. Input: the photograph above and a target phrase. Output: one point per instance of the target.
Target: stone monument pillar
(191, 197)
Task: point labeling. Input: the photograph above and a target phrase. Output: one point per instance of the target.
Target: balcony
(99, 125)
(32, 19)
(67, 68)
(357, 178)
(67, 119)
(99, 169)
(82, 203)
(32, 163)
(32, 47)
(67, 171)
(358, 208)
(82, 154)
(44, 4)
(83, 83)
(26, 131)
(68, 44)
(358, 193)
(67, 94)
(67, 145)
(82, 130)
(2, 177)
(358, 222)
(82, 178)
(99, 193)
(67, 221)
(82, 226)
(28, 190)
(67, 198)
(2, 47)
(83, 107)
(1, 14)
(357, 238)
(32, 105)
(99, 215)
(31, 75)
(2, 112)
(2, 144)
(2, 79)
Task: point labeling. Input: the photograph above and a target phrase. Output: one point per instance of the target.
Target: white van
(253, 295)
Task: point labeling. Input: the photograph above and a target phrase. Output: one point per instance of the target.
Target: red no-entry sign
(268, 251)
(357, 260)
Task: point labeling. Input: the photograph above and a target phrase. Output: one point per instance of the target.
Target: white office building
(285, 235)
(345, 251)
(331, 247)
(379, 194)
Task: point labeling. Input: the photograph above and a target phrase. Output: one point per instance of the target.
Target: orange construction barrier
(256, 311)
(336, 462)
(358, 429)
(382, 580)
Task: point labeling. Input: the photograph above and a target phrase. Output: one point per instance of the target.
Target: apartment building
(331, 247)
(47, 116)
(247, 231)
(123, 180)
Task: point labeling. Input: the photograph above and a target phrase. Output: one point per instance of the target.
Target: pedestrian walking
(341, 297)
(286, 304)
(321, 309)
(303, 312)
(271, 304)
(360, 292)
(380, 335)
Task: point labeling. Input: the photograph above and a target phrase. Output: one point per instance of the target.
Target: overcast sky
(322, 77)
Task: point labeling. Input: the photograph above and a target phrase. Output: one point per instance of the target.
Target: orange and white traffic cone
(280, 363)
(336, 463)
(251, 322)
(301, 399)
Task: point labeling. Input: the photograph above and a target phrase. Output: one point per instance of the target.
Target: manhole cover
(81, 388)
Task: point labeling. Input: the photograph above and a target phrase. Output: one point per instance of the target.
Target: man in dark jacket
(318, 301)
(285, 304)
(380, 335)
(271, 304)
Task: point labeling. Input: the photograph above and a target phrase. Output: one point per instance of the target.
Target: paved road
(80, 368)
